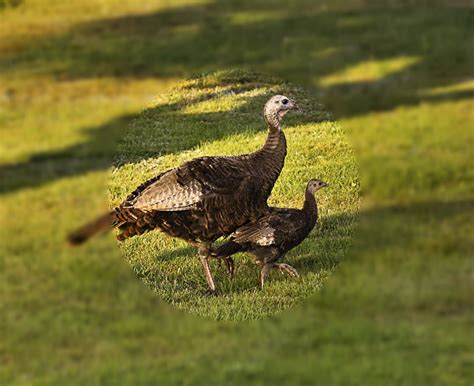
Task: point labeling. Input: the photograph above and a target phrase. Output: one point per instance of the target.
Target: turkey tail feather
(88, 230)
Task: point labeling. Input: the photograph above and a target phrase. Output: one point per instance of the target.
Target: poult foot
(229, 263)
(288, 269)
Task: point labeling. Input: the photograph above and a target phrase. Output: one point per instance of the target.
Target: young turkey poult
(205, 198)
(270, 237)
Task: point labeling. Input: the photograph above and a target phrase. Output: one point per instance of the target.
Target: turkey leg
(204, 256)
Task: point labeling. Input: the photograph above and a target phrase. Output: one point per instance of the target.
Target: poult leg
(264, 273)
(284, 268)
(229, 264)
(228, 260)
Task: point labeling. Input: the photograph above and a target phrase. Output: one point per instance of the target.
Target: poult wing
(273, 229)
(264, 232)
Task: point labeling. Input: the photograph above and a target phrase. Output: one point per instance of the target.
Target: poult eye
(284, 101)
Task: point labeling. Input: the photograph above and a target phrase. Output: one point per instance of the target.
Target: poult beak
(295, 106)
(325, 184)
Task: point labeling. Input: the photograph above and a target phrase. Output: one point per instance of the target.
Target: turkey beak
(325, 184)
(295, 106)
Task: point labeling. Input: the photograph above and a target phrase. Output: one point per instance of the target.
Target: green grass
(222, 114)
(396, 75)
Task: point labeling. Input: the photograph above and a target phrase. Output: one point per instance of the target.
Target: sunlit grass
(246, 17)
(220, 103)
(463, 86)
(369, 71)
(41, 20)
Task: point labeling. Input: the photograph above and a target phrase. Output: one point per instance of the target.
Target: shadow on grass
(303, 42)
(412, 258)
(422, 222)
(101, 149)
(6, 4)
(41, 168)
(95, 154)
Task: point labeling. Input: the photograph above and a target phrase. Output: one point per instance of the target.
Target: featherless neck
(310, 207)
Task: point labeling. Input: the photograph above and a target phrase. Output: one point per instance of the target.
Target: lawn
(397, 78)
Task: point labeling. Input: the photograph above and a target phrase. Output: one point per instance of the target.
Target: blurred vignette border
(397, 76)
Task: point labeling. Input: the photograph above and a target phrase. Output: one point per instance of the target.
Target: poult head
(276, 108)
(314, 185)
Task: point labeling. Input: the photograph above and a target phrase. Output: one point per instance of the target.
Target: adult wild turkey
(274, 234)
(205, 198)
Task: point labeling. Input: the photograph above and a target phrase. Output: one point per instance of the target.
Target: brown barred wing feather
(217, 175)
(167, 193)
(183, 187)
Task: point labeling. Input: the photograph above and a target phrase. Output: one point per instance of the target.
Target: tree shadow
(44, 167)
(303, 42)
(6, 4)
(101, 150)
(406, 259)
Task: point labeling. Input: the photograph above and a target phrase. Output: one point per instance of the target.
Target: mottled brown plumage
(274, 234)
(205, 198)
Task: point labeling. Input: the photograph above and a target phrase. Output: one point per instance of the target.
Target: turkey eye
(284, 101)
